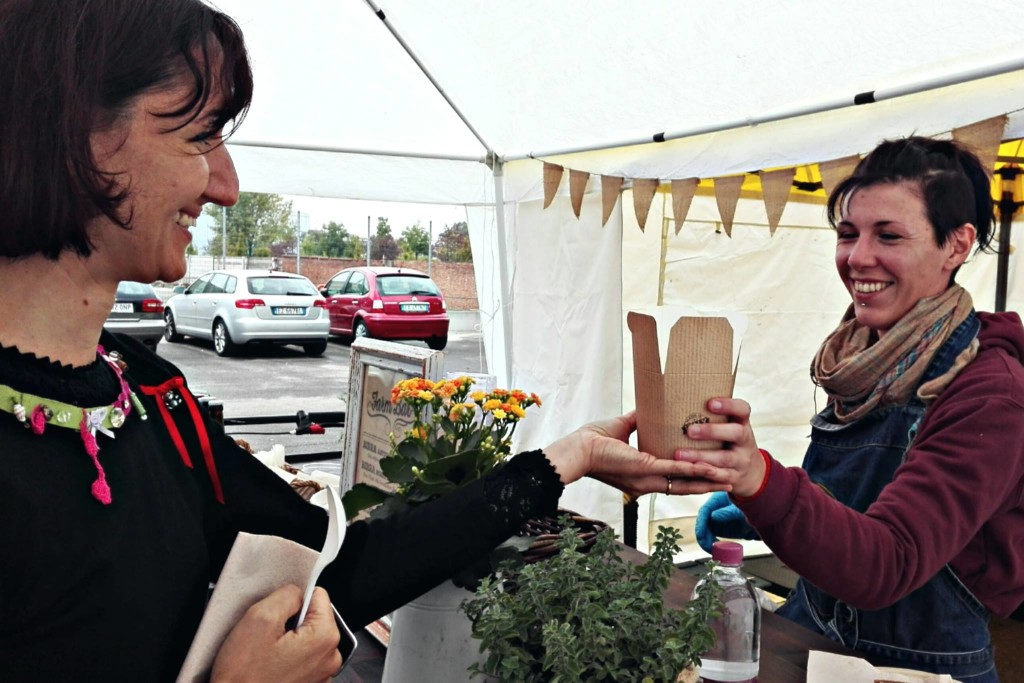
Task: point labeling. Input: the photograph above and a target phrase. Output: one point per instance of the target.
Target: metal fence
(197, 265)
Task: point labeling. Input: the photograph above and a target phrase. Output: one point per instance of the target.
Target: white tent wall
(787, 287)
(567, 342)
(487, 252)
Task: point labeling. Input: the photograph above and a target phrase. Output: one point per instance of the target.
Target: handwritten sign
(371, 419)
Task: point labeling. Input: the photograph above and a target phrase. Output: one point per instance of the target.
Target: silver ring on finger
(668, 488)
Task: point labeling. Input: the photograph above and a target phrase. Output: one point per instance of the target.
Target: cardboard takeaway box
(698, 367)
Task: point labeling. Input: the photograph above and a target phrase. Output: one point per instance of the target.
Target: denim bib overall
(940, 627)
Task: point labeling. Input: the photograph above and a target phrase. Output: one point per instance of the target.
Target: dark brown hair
(71, 67)
(954, 186)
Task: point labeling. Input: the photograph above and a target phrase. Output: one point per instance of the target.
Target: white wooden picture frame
(378, 365)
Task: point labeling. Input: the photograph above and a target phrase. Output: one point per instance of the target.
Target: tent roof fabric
(534, 76)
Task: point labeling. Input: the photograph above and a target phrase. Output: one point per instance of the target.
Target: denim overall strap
(940, 627)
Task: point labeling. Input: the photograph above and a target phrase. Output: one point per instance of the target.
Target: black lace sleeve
(386, 563)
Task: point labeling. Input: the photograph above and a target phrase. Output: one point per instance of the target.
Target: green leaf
(397, 469)
(454, 468)
(413, 450)
(360, 497)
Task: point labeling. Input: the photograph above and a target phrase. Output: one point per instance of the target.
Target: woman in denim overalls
(921, 440)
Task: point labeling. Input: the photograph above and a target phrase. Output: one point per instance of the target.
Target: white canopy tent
(342, 110)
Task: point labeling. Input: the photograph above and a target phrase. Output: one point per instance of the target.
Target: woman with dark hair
(112, 128)
(906, 520)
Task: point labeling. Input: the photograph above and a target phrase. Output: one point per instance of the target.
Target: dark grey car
(138, 312)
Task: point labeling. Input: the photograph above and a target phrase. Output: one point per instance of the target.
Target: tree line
(265, 225)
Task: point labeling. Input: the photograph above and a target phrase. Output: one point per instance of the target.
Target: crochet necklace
(36, 412)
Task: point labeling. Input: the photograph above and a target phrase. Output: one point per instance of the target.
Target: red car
(387, 303)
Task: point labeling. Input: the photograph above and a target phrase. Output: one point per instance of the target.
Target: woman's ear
(959, 244)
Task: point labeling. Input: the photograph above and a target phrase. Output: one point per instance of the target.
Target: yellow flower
(499, 414)
(419, 432)
(490, 405)
(425, 396)
(517, 410)
(478, 396)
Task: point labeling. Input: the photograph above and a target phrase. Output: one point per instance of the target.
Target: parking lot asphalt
(280, 381)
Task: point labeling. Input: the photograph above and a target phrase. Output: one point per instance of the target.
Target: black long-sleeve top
(115, 592)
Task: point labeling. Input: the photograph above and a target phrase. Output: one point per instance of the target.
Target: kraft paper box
(698, 367)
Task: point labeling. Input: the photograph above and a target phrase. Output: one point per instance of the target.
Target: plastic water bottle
(736, 653)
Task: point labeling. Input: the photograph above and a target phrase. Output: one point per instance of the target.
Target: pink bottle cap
(727, 552)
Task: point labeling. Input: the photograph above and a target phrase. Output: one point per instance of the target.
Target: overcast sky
(316, 211)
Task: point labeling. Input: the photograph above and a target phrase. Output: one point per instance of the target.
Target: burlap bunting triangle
(577, 186)
(983, 139)
(552, 177)
(775, 187)
(682, 197)
(836, 171)
(611, 186)
(643, 193)
(727, 194)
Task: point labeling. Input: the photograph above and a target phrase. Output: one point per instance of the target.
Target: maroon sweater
(958, 499)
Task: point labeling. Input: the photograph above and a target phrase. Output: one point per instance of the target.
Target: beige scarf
(862, 373)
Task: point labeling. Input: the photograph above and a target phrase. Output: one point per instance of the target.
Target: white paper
(255, 568)
(825, 667)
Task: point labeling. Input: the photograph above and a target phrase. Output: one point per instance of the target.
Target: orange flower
(446, 389)
(517, 410)
(396, 394)
(518, 395)
(501, 393)
(418, 432)
(460, 410)
(536, 399)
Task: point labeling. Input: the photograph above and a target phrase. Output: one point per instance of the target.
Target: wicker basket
(545, 531)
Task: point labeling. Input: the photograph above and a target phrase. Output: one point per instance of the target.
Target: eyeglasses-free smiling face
(169, 174)
(887, 256)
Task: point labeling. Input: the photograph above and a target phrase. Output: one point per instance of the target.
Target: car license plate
(415, 308)
(289, 310)
(123, 308)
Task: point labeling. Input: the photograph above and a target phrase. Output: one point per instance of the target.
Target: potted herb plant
(590, 617)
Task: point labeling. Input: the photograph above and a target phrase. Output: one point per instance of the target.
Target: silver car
(236, 307)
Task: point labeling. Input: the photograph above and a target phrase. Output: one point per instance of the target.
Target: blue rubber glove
(719, 517)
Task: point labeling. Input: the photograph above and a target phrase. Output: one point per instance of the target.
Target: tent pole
(1007, 207)
(433, 81)
(498, 168)
(1016, 64)
(236, 142)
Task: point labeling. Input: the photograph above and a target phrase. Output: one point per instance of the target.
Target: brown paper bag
(698, 367)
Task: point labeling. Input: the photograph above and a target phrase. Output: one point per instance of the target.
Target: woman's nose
(222, 188)
(861, 255)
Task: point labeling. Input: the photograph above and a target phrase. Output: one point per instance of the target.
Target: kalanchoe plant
(589, 617)
(457, 436)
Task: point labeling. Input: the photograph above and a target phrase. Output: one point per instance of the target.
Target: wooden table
(784, 644)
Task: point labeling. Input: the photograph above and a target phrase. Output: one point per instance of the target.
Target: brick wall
(456, 280)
